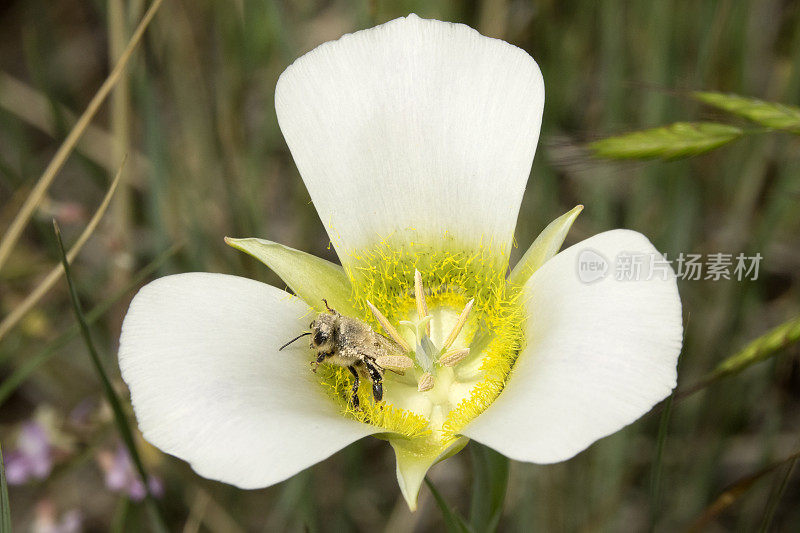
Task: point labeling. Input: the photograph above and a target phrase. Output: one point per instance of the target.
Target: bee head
(323, 330)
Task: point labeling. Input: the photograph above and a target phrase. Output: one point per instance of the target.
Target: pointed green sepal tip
(415, 458)
(311, 278)
(546, 245)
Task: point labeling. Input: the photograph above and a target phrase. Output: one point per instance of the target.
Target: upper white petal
(417, 129)
(598, 356)
(200, 354)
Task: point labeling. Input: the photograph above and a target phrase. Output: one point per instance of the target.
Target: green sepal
(546, 245)
(415, 457)
(311, 278)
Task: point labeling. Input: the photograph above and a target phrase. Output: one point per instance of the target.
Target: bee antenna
(291, 341)
(328, 307)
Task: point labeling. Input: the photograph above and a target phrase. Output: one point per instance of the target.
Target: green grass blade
(452, 520)
(120, 516)
(14, 231)
(655, 473)
(30, 301)
(761, 348)
(5, 507)
(775, 497)
(113, 400)
(489, 484)
(23, 372)
(770, 114)
(681, 139)
(734, 491)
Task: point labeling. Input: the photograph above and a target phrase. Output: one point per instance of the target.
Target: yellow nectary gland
(384, 276)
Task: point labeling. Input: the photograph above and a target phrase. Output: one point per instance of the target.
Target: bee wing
(358, 338)
(387, 345)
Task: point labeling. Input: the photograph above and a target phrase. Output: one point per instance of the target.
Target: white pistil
(462, 319)
(419, 296)
(453, 357)
(424, 351)
(388, 328)
(425, 382)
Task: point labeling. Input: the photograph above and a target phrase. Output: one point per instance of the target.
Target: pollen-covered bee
(348, 342)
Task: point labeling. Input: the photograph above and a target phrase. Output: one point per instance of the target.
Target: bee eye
(320, 338)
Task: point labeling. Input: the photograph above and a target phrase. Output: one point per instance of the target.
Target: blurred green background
(206, 159)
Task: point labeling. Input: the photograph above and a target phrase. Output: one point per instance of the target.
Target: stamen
(389, 328)
(453, 357)
(395, 363)
(462, 319)
(419, 295)
(425, 382)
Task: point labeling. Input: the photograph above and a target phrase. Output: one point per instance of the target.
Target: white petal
(417, 129)
(598, 355)
(200, 354)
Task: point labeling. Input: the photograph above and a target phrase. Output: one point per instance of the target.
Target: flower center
(455, 317)
(441, 345)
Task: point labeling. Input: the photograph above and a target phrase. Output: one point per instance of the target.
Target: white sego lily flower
(415, 140)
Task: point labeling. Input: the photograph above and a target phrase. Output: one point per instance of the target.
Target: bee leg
(377, 380)
(320, 359)
(355, 386)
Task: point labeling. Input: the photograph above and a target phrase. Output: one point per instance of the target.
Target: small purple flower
(33, 456)
(46, 520)
(121, 475)
(83, 413)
